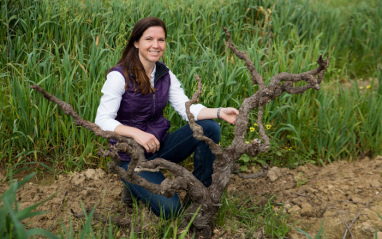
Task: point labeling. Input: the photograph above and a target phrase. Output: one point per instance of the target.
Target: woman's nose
(155, 43)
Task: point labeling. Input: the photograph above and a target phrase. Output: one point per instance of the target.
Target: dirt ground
(345, 196)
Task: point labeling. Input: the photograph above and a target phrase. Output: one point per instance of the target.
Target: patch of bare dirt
(345, 196)
(86, 189)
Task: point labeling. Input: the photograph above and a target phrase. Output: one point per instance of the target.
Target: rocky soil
(344, 196)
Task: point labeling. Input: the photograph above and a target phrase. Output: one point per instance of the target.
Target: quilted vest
(145, 112)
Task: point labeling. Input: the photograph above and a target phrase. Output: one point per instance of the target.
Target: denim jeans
(177, 147)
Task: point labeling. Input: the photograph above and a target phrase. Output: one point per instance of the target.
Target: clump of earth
(344, 197)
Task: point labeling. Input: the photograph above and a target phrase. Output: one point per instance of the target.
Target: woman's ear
(136, 44)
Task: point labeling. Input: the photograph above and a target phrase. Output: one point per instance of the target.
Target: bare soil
(345, 196)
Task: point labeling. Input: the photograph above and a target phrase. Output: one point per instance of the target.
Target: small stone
(90, 173)
(357, 199)
(294, 209)
(367, 227)
(100, 172)
(78, 179)
(307, 209)
(273, 174)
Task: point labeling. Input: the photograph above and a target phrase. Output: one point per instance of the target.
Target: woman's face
(151, 45)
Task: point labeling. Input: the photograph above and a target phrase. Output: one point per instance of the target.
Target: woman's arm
(112, 90)
(147, 140)
(228, 114)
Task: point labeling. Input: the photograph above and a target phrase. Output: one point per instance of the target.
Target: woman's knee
(211, 129)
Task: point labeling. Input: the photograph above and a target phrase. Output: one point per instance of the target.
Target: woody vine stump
(206, 200)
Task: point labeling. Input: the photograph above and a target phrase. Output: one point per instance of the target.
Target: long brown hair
(130, 59)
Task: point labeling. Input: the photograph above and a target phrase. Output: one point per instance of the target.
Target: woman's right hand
(146, 140)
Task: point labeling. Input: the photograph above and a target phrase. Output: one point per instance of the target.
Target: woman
(135, 93)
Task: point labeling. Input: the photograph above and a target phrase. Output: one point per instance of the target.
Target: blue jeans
(177, 147)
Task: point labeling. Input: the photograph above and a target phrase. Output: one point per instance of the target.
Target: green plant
(320, 233)
(237, 212)
(376, 228)
(300, 181)
(12, 217)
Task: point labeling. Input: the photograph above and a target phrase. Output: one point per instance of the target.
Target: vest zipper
(154, 103)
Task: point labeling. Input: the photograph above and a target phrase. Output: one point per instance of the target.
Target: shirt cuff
(195, 109)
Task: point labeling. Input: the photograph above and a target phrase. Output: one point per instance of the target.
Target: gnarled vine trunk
(206, 200)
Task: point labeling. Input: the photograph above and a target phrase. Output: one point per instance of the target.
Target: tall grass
(67, 46)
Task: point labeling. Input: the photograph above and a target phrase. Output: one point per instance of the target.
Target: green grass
(248, 216)
(67, 46)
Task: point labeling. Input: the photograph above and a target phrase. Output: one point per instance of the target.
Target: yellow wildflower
(368, 87)
(361, 87)
(251, 129)
(268, 126)
(246, 142)
(255, 124)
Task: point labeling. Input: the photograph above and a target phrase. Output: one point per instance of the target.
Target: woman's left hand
(229, 114)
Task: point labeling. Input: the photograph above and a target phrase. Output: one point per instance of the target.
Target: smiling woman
(151, 47)
(136, 91)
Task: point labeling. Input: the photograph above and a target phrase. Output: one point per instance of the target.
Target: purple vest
(145, 112)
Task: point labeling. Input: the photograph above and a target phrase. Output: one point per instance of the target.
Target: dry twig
(59, 209)
(343, 218)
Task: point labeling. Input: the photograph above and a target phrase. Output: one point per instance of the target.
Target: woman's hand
(229, 114)
(147, 140)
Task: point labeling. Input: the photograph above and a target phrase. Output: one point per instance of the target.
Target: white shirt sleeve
(112, 90)
(178, 98)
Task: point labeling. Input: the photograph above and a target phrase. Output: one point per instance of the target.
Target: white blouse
(114, 88)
